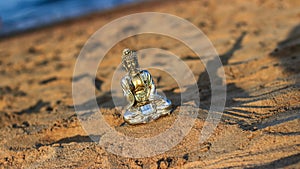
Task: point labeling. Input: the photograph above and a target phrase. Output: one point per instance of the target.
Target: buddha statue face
(130, 62)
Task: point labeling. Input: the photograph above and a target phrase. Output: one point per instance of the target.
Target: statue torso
(140, 87)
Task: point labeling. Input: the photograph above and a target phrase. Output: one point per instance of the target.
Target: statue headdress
(129, 56)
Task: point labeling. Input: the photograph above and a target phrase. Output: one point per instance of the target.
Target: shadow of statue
(237, 99)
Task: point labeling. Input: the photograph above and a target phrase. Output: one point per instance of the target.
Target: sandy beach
(259, 46)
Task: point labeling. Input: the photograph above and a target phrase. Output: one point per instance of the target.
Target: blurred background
(19, 15)
(258, 43)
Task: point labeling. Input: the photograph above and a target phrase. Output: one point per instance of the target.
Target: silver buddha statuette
(145, 104)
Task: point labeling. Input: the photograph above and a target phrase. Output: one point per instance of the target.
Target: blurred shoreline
(18, 15)
(133, 7)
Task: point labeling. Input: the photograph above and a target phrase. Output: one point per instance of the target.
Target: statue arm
(126, 90)
(152, 86)
(150, 83)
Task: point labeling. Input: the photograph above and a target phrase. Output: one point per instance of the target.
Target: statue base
(148, 112)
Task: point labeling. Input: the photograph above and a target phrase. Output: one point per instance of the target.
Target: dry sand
(259, 45)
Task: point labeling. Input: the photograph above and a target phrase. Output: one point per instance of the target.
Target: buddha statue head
(130, 61)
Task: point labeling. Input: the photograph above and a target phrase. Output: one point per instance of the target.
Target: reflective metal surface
(145, 104)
